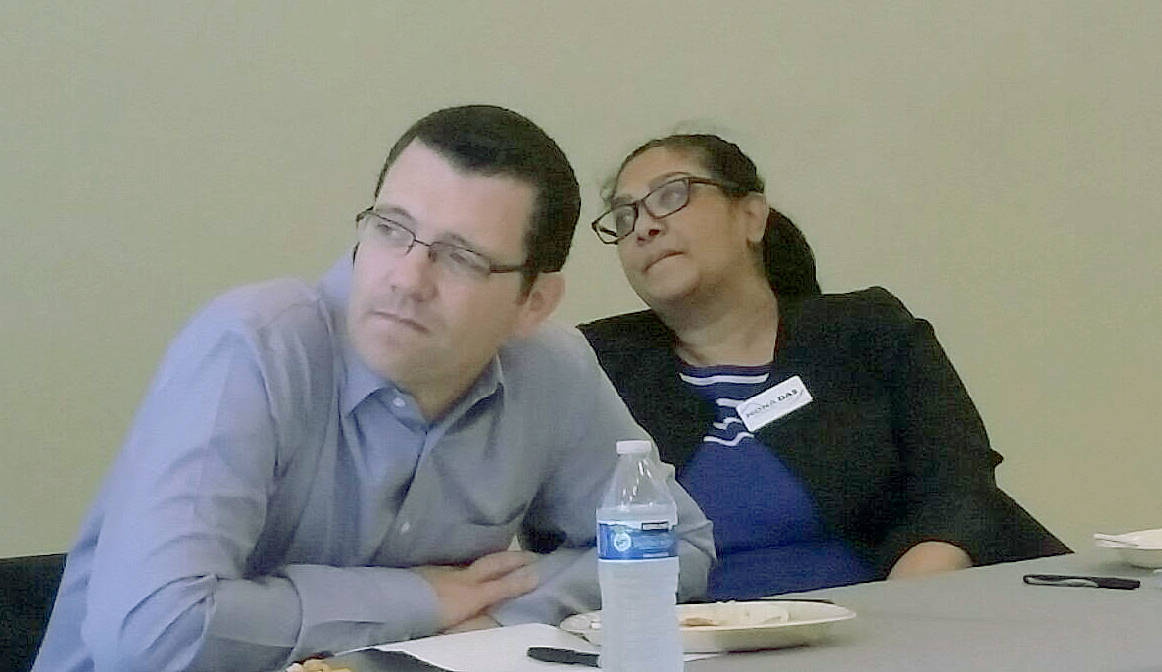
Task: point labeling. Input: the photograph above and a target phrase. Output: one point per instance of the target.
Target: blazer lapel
(665, 407)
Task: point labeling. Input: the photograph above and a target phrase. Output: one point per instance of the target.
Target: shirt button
(398, 402)
(403, 529)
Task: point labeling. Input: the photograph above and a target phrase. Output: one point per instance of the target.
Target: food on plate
(732, 614)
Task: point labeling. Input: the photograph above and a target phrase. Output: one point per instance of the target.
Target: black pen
(549, 654)
(1081, 581)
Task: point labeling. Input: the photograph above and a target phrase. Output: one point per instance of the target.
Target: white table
(983, 618)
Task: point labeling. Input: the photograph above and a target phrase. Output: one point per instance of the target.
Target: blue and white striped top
(768, 534)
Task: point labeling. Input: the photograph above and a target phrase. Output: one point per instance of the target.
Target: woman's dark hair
(787, 258)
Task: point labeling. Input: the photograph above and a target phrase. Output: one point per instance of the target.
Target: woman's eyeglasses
(662, 201)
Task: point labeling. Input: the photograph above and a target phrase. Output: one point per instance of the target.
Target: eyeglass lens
(661, 202)
(459, 260)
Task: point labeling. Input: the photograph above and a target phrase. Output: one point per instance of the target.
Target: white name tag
(762, 409)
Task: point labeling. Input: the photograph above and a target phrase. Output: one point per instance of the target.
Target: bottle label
(632, 540)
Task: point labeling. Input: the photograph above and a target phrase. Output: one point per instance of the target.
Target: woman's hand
(929, 557)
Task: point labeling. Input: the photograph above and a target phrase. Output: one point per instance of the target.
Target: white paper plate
(809, 622)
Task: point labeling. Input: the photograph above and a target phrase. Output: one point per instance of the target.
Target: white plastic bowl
(1144, 549)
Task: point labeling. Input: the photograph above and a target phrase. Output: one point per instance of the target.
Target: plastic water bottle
(638, 566)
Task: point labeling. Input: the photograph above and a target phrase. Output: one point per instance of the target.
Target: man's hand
(465, 593)
(929, 557)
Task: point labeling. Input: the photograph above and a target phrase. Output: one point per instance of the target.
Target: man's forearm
(206, 623)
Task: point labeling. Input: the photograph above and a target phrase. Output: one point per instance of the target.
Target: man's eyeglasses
(457, 260)
(663, 201)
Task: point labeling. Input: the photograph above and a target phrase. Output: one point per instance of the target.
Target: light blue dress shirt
(273, 491)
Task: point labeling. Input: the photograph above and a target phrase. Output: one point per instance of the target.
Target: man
(326, 468)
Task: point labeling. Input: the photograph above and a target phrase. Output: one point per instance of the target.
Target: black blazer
(891, 446)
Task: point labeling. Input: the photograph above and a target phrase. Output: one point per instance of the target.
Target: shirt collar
(489, 382)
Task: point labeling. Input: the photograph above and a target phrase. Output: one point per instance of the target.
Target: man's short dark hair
(494, 141)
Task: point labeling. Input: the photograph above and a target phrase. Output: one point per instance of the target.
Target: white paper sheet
(493, 650)
(497, 649)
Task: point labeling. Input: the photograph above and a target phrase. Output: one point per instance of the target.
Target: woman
(826, 436)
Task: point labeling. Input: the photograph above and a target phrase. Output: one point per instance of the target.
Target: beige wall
(993, 163)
